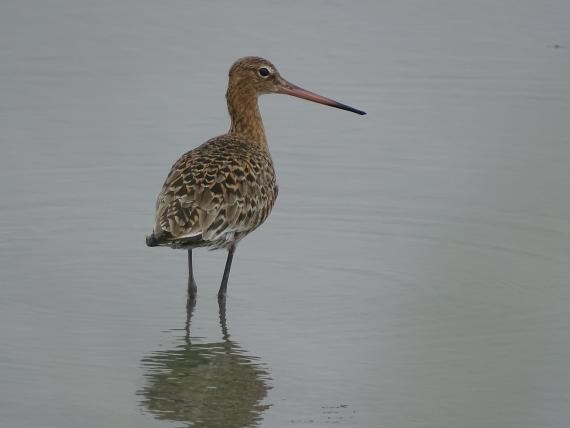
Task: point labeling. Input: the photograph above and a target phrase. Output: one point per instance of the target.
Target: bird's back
(215, 194)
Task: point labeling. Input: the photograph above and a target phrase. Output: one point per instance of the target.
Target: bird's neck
(245, 117)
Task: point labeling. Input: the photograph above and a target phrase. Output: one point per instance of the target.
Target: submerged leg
(223, 324)
(190, 305)
(192, 289)
(224, 284)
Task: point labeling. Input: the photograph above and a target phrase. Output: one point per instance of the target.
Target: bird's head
(257, 76)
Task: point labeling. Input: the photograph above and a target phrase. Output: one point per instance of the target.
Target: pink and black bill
(296, 91)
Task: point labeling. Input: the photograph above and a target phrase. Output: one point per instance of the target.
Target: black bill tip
(348, 108)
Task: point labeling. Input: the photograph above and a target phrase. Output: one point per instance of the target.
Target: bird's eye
(263, 72)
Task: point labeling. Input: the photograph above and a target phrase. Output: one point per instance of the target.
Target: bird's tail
(151, 240)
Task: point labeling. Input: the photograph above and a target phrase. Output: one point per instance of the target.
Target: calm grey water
(414, 273)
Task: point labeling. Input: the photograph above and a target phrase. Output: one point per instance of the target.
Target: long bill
(296, 91)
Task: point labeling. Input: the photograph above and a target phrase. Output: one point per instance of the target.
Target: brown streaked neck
(244, 113)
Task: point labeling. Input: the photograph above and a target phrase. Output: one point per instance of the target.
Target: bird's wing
(212, 190)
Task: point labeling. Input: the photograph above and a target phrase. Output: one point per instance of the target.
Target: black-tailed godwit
(224, 189)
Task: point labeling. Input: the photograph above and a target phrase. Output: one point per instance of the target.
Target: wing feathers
(223, 187)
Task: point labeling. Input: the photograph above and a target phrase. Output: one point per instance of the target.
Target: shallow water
(414, 272)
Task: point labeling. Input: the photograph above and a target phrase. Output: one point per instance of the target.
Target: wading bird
(224, 189)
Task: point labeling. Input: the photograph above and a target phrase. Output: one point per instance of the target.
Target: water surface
(414, 272)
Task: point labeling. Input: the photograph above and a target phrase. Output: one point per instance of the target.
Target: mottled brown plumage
(216, 194)
(224, 189)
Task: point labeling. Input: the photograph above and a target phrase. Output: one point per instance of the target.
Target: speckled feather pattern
(215, 194)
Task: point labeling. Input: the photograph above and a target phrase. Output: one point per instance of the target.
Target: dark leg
(223, 324)
(224, 285)
(192, 289)
(190, 305)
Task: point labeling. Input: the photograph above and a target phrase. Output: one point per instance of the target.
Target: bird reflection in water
(205, 384)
